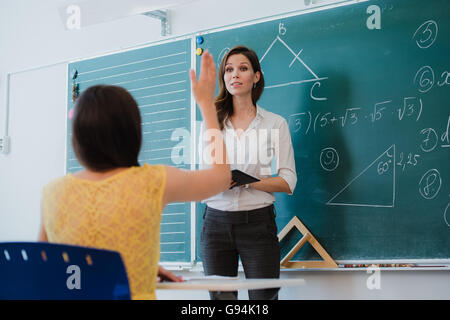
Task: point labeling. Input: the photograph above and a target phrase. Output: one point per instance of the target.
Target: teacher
(240, 222)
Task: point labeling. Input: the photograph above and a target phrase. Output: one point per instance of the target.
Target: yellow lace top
(120, 213)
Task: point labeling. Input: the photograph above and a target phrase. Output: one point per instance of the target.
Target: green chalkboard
(158, 78)
(365, 89)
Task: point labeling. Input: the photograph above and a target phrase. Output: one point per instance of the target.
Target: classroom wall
(34, 45)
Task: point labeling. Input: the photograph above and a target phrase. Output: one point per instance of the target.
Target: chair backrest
(40, 270)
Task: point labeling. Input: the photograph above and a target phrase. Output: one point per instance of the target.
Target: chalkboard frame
(432, 263)
(177, 265)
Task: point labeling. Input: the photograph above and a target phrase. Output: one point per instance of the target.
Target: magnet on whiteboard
(74, 74)
(199, 51)
(71, 114)
(75, 91)
(199, 40)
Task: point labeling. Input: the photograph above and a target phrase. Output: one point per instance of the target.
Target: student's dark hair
(224, 100)
(106, 128)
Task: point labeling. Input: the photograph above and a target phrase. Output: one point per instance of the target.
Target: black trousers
(250, 235)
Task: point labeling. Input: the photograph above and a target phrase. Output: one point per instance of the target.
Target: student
(240, 222)
(114, 203)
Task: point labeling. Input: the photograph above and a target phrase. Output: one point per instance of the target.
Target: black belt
(238, 217)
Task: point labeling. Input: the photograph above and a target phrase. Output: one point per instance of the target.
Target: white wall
(33, 41)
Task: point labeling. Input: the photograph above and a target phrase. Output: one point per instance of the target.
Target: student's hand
(233, 183)
(205, 87)
(165, 275)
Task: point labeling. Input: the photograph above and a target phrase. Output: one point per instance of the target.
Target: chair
(41, 270)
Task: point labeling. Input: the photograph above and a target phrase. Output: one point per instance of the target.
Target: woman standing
(240, 222)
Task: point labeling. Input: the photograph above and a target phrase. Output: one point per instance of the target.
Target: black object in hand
(242, 178)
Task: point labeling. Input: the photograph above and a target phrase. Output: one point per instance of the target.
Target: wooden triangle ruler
(286, 262)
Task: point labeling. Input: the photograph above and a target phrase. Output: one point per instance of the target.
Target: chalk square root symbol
(286, 262)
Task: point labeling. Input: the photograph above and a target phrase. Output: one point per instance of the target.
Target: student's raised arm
(182, 185)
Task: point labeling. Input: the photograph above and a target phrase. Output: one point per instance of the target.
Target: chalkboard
(158, 78)
(365, 89)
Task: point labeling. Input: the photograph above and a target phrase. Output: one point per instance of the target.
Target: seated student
(114, 203)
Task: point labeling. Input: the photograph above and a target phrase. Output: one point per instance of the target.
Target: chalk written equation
(311, 122)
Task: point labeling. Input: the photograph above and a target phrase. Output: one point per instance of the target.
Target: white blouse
(263, 149)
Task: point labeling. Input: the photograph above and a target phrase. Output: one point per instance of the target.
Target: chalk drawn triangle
(283, 57)
(373, 187)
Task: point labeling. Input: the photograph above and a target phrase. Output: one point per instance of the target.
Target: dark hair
(106, 128)
(224, 100)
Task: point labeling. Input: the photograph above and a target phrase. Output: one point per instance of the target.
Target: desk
(230, 285)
